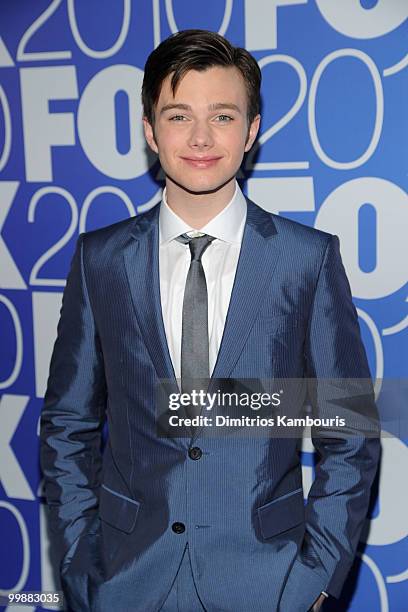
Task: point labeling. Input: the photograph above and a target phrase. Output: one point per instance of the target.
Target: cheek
(168, 141)
(236, 146)
(236, 139)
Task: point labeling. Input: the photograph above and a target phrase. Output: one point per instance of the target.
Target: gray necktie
(195, 369)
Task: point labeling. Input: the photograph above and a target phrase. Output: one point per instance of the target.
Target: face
(202, 132)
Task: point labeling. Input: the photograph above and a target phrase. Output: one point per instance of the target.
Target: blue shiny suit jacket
(254, 545)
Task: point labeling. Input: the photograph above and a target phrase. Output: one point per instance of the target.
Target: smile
(201, 162)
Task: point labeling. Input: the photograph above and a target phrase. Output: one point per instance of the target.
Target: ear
(149, 135)
(252, 132)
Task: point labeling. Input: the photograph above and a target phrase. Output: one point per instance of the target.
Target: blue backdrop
(332, 154)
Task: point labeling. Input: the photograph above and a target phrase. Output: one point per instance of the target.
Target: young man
(204, 283)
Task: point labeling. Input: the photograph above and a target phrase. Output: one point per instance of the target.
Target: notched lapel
(256, 264)
(141, 256)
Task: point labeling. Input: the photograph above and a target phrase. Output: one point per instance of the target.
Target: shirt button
(195, 453)
(178, 527)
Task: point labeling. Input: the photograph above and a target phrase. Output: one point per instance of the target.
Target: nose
(200, 135)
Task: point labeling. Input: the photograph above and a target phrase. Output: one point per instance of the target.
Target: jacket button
(178, 527)
(195, 453)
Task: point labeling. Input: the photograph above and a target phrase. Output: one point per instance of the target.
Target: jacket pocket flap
(117, 509)
(279, 323)
(282, 513)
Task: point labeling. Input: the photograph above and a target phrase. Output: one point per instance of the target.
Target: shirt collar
(228, 225)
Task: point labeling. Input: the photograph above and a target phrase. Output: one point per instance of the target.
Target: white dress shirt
(219, 262)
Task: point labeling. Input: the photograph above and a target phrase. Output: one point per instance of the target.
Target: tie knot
(197, 245)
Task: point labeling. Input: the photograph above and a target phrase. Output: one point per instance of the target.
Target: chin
(202, 187)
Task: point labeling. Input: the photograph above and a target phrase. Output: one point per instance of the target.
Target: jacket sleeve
(340, 384)
(73, 415)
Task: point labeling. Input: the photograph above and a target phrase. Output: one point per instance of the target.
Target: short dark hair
(197, 50)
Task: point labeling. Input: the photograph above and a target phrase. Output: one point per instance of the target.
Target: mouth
(201, 162)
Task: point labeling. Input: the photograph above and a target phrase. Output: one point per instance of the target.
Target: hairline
(174, 86)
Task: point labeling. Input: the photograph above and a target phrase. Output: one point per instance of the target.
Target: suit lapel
(258, 257)
(141, 257)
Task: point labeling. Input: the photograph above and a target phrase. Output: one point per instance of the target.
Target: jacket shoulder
(291, 231)
(117, 234)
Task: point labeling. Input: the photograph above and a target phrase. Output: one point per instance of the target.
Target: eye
(224, 118)
(177, 118)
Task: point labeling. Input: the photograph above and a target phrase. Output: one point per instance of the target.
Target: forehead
(206, 87)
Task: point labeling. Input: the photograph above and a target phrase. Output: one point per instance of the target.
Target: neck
(197, 209)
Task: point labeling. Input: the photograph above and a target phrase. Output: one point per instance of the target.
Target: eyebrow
(211, 107)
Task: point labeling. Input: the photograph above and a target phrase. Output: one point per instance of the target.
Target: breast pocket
(279, 324)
